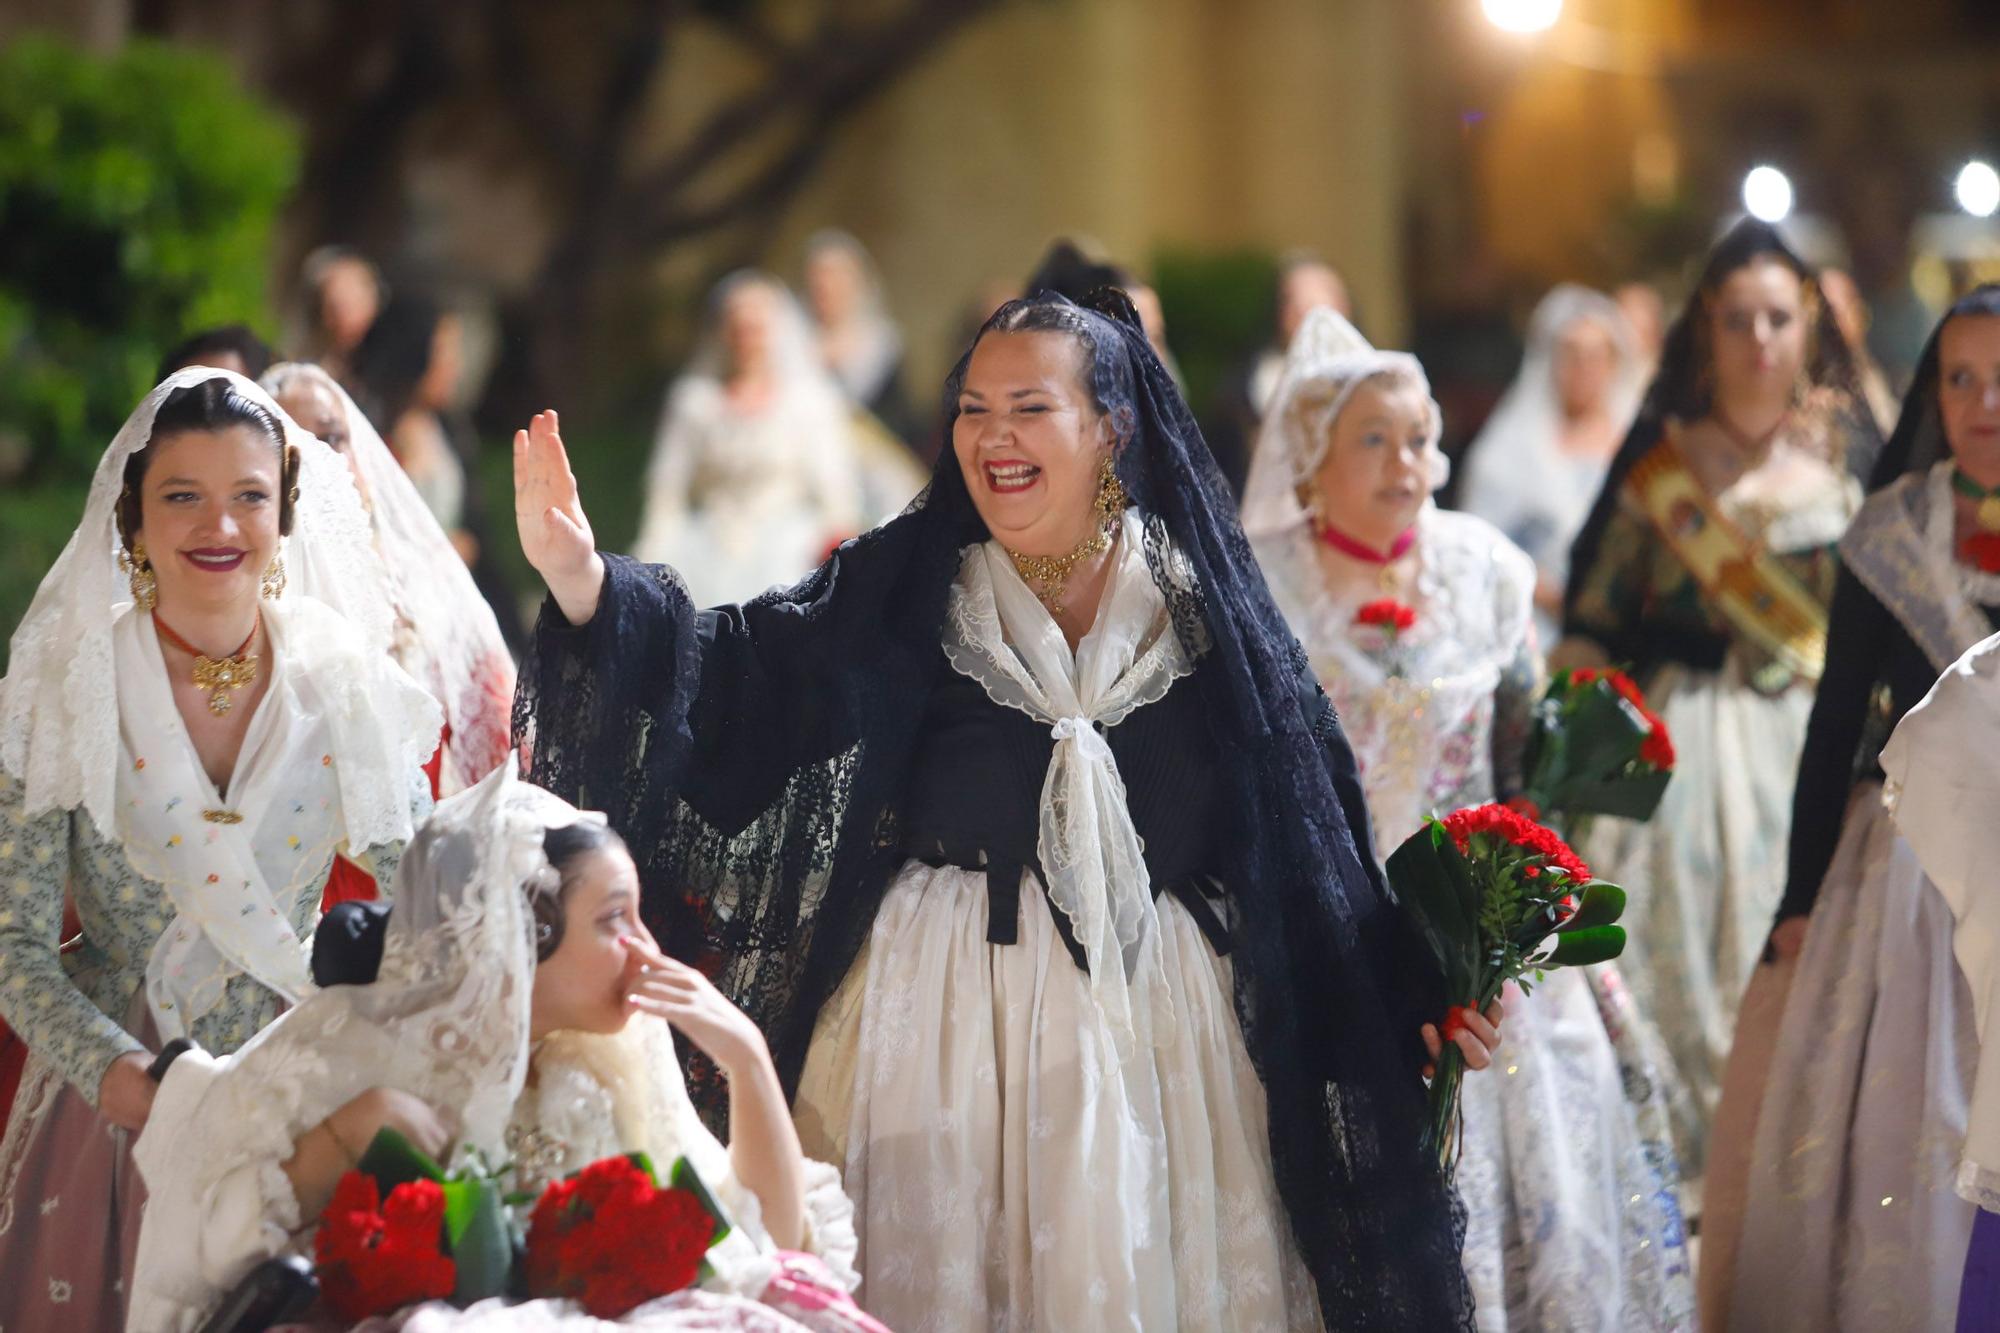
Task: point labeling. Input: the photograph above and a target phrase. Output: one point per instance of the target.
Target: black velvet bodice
(975, 794)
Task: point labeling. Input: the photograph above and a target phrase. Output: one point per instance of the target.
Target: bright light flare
(1978, 189)
(1522, 15)
(1767, 194)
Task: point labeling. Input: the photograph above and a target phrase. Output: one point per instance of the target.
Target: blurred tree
(640, 125)
(137, 197)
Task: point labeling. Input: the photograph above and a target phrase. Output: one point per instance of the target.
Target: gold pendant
(222, 816)
(221, 676)
(1988, 514)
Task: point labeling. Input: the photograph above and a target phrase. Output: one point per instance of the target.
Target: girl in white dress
(1567, 1171)
(512, 1006)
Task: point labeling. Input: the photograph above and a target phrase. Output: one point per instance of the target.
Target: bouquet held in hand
(1595, 748)
(1498, 898)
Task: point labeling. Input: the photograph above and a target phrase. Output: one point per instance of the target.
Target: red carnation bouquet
(400, 1230)
(1497, 897)
(611, 1237)
(1595, 748)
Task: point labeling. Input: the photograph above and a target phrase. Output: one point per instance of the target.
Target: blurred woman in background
(1536, 467)
(754, 474)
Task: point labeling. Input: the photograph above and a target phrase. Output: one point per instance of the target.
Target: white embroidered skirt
(1705, 873)
(1007, 1171)
(1573, 1222)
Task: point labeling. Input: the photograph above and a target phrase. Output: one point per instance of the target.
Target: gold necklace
(216, 675)
(1047, 575)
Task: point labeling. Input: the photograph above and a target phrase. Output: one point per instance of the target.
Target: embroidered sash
(1749, 587)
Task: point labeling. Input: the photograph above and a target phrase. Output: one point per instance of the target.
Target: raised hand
(555, 535)
(670, 989)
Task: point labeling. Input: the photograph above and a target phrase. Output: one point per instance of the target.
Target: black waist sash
(1201, 894)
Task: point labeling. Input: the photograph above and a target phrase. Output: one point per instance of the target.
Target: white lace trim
(998, 633)
(1900, 547)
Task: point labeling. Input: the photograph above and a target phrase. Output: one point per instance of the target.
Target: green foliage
(137, 195)
(1218, 311)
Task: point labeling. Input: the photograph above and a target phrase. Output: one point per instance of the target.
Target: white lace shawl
(1943, 768)
(1899, 546)
(998, 633)
(444, 633)
(446, 1020)
(59, 701)
(1418, 711)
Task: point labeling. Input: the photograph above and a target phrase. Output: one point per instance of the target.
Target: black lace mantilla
(756, 757)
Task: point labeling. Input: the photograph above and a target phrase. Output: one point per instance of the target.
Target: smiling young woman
(186, 741)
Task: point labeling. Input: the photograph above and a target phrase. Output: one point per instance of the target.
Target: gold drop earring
(144, 583)
(272, 585)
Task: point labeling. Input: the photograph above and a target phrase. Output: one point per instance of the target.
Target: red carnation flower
(612, 1240)
(1982, 551)
(1583, 676)
(376, 1256)
(1497, 821)
(1658, 747)
(1387, 614)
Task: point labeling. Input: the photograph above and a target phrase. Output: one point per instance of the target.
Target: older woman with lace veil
(200, 712)
(1707, 566)
(509, 1005)
(1539, 461)
(1022, 829)
(1577, 1230)
(754, 474)
(445, 634)
(1858, 1096)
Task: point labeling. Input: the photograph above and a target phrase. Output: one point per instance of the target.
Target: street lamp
(1767, 194)
(1978, 189)
(1525, 16)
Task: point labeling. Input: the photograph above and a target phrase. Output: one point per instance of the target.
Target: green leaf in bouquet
(685, 1177)
(1592, 944)
(1427, 887)
(481, 1242)
(645, 1163)
(1601, 904)
(393, 1160)
(1633, 797)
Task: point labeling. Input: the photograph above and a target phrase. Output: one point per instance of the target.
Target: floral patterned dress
(1572, 1230)
(1708, 870)
(69, 1199)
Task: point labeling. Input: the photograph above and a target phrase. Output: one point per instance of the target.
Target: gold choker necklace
(216, 675)
(1047, 575)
